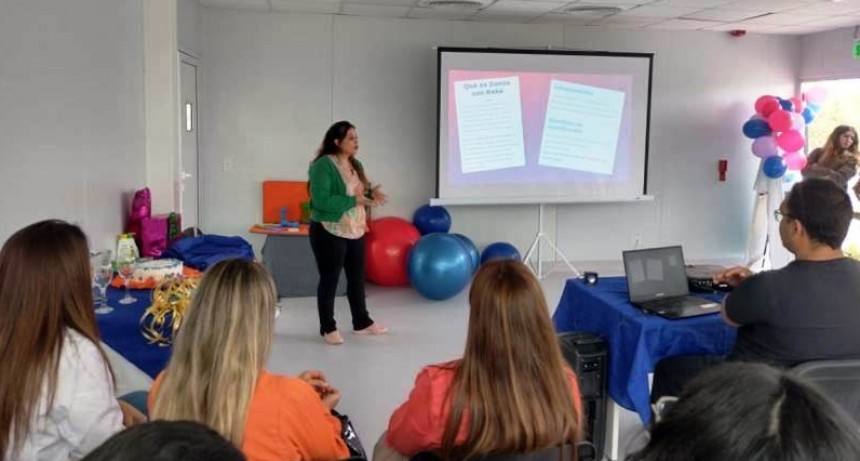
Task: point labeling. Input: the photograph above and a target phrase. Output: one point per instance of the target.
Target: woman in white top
(57, 396)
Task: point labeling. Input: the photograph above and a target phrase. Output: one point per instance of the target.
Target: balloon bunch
(777, 130)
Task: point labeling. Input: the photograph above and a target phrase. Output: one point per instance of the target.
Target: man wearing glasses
(808, 310)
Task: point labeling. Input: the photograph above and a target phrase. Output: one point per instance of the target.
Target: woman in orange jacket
(216, 375)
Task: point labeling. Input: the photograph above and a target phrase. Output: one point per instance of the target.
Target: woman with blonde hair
(510, 393)
(216, 374)
(57, 397)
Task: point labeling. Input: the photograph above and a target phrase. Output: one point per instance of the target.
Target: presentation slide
(514, 131)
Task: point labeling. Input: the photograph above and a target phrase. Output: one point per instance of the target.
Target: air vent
(459, 5)
(594, 11)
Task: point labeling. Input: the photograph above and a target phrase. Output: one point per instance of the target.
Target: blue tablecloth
(120, 330)
(636, 341)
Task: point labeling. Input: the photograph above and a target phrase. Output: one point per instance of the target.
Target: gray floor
(375, 374)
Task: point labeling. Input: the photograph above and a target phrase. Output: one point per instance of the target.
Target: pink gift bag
(153, 236)
(141, 208)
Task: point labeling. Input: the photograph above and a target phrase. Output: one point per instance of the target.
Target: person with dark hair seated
(807, 310)
(167, 441)
(751, 412)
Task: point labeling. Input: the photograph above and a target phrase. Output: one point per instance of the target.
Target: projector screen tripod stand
(535, 249)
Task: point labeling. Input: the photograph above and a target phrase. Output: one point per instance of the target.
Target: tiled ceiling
(760, 16)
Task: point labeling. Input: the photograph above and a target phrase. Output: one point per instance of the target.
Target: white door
(188, 174)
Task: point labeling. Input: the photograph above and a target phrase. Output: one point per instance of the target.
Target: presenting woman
(340, 196)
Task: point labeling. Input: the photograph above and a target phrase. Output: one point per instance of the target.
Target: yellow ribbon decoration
(170, 300)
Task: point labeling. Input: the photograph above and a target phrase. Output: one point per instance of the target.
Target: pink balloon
(816, 95)
(780, 120)
(795, 161)
(798, 104)
(764, 147)
(790, 141)
(766, 105)
(797, 122)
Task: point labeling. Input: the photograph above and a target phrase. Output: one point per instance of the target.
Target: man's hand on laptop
(733, 276)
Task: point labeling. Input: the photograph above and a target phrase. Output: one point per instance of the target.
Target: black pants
(672, 374)
(332, 254)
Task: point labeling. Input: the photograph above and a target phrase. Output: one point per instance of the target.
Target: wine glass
(125, 267)
(101, 278)
(102, 274)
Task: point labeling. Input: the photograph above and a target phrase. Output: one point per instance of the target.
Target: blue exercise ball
(500, 250)
(474, 254)
(439, 266)
(429, 219)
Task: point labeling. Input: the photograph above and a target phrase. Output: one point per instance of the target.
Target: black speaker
(586, 353)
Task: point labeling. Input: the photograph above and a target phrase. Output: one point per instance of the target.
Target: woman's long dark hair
(752, 412)
(45, 289)
(330, 146)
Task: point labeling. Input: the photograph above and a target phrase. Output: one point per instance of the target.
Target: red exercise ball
(388, 244)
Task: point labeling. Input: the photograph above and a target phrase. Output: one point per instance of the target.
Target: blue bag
(206, 250)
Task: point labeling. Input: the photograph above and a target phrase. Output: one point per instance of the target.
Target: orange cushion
(277, 194)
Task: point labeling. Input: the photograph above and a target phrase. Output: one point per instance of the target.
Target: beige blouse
(353, 223)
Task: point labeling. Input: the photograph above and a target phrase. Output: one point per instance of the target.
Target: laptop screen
(655, 273)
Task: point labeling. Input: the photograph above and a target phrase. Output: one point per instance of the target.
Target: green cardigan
(328, 191)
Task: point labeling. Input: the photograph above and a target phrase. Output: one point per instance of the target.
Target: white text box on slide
(581, 127)
(490, 124)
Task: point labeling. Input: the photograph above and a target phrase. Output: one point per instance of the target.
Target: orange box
(277, 194)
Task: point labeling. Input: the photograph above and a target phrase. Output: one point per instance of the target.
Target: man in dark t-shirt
(808, 310)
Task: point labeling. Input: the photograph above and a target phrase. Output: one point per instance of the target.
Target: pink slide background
(534, 92)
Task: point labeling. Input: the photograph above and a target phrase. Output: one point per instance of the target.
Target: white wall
(829, 55)
(187, 14)
(161, 103)
(274, 82)
(71, 113)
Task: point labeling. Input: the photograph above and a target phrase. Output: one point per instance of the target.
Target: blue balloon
(500, 250)
(813, 107)
(474, 254)
(439, 266)
(429, 219)
(808, 115)
(786, 104)
(774, 167)
(756, 128)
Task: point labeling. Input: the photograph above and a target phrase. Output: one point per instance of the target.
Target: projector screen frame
(548, 51)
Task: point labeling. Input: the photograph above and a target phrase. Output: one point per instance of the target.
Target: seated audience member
(751, 412)
(57, 397)
(837, 160)
(808, 310)
(510, 393)
(167, 441)
(216, 374)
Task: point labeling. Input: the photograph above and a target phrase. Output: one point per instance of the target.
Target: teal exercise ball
(474, 254)
(439, 266)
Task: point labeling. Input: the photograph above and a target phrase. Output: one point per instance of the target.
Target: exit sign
(856, 49)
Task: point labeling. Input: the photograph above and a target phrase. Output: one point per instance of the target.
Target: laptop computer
(657, 281)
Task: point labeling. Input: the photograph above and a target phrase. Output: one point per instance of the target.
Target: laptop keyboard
(668, 303)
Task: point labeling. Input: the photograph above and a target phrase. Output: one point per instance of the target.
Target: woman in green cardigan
(340, 196)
